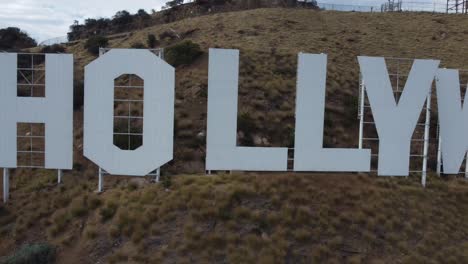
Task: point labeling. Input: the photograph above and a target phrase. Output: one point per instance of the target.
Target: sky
(46, 19)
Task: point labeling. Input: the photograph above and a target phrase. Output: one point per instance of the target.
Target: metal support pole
(101, 179)
(158, 174)
(361, 113)
(466, 168)
(426, 140)
(439, 156)
(6, 185)
(59, 176)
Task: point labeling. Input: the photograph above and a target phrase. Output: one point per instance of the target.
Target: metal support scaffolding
(156, 174)
(457, 6)
(426, 140)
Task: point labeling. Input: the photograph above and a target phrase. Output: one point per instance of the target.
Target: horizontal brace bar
(373, 123)
(396, 74)
(423, 109)
(376, 139)
(127, 134)
(32, 152)
(30, 69)
(30, 84)
(129, 100)
(128, 117)
(30, 167)
(30, 136)
(129, 87)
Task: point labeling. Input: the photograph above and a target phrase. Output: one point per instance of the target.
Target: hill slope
(269, 41)
(249, 217)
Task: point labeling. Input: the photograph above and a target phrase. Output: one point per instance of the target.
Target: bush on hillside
(143, 14)
(56, 48)
(151, 41)
(33, 253)
(78, 94)
(183, 53)
(13, 38)
(138, 45)
(94, 43)
(246, 124)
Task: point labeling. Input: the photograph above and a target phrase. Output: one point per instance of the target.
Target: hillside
(269, 40)
(251, 218)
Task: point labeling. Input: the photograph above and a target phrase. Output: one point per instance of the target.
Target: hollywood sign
(395, 122)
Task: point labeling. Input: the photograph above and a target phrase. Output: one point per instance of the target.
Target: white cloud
(45, 19)
(51, 18)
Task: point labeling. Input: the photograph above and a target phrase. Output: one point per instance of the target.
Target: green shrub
(109, 211)
(246, 124)
(138, 45)
(166, 181)
(94, 43)
(78, 94)
(351, 104)
(33, 253)
(152, 42)
(183, 53)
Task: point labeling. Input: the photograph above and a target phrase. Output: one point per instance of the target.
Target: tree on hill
(94, 43)
(143, 14)
(13, 38)
(174, 3)
(122, 17)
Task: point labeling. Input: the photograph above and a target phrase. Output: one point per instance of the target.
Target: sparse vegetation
(138, 45)
(78, 94)
(183, 53)
(56, 48)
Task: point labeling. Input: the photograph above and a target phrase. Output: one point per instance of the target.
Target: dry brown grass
(249, 218)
